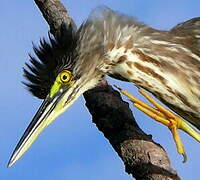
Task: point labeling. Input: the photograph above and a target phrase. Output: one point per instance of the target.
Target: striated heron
(164, 63)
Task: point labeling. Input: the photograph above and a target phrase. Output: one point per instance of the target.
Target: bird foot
(164, 116)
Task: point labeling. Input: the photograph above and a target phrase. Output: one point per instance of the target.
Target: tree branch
(142, 157)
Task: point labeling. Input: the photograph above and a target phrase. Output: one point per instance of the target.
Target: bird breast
(130, 65)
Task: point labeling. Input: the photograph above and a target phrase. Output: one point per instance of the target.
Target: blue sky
(72, 147)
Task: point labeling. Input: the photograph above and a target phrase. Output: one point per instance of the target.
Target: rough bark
(142, 157)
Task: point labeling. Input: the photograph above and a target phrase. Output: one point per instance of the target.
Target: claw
(164, 116)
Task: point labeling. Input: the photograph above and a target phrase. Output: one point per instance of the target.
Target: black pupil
(65, 77)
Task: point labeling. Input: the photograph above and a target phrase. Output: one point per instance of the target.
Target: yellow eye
(65, 76)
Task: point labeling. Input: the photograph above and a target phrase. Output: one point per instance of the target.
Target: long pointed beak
(48, 111)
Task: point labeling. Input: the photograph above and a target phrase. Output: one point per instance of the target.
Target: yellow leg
(171, 125)
(181, 124)
(164, 116)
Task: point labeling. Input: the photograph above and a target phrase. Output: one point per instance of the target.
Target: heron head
(59, 75)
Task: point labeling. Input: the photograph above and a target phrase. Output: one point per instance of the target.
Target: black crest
(51, 58)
